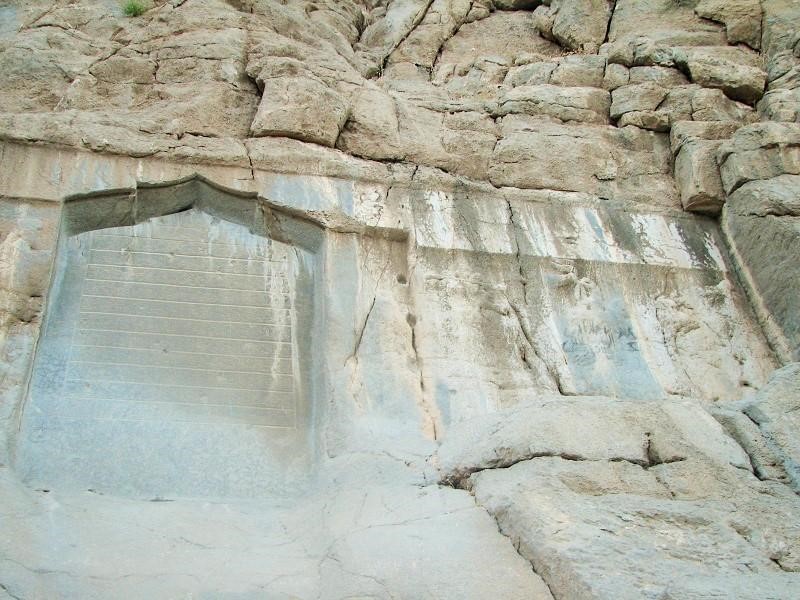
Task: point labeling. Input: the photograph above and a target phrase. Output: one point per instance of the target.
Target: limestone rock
(615, 76)
(579, 71)
(580, 104)
(685, 131)
(698, 177)
(767, 464)
(776, 196)
(570, 517)
(644, 96)
(760, 151)
(663, 76)
(781, 105)
(640, 35)
(387, 30)
(289, 108)
(482, 219)
(713, 105)
(640, 433)
(760, 213)
(775, 409)
(581, 24)
(442, 19)
(733, 70)
(742, 19)
(533, 154)
(501, 38)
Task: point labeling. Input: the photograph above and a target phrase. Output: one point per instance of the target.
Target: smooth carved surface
(200, 326)
(174, 327)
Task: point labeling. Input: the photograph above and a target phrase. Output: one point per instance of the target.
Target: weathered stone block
(697, 176)
(300, 108)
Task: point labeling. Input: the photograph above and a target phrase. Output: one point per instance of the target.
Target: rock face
(400, 299)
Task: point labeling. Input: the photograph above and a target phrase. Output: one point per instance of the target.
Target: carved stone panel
(169, 362)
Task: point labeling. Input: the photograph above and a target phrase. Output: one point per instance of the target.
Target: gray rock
(585, 429)
(575, 519)
(776, 409)
(615, 76)
(760, 211)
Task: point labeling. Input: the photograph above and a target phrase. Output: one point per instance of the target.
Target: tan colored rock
(579, 104)
(373, 117)
(742, 19)
(535, 73)
(581, 24)
(615, 76)
(685, 131)
(386, 30)
(663, 76)
(290, 107)
(441, 20)
(536, 154)
(640, 32)
(499, 38)
(652, 120)
(697, 176)
(760, 151)
(639, 97)
(733, 70)
(579, 71)
(713, 105)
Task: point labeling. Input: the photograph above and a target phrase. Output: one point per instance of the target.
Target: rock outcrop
(542, 287)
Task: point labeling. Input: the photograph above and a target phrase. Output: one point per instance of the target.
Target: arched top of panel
(131, 206)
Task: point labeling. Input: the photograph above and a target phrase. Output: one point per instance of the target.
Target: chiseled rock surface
(537, 372)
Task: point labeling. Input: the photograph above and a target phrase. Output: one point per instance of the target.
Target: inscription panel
(159, 338)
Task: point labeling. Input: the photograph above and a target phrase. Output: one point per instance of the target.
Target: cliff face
(541, 281)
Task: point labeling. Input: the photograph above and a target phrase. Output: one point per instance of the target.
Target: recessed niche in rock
(170, 363)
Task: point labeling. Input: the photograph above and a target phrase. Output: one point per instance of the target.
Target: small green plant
(133, 8)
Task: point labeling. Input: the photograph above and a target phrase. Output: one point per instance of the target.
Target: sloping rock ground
(559, 390)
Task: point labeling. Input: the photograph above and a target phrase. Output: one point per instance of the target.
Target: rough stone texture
(697, 171)
(762, 225)
(775, 410)
(489, 211)
(733, 70)
(742, 19)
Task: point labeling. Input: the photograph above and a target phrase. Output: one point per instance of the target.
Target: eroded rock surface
(544, 255)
